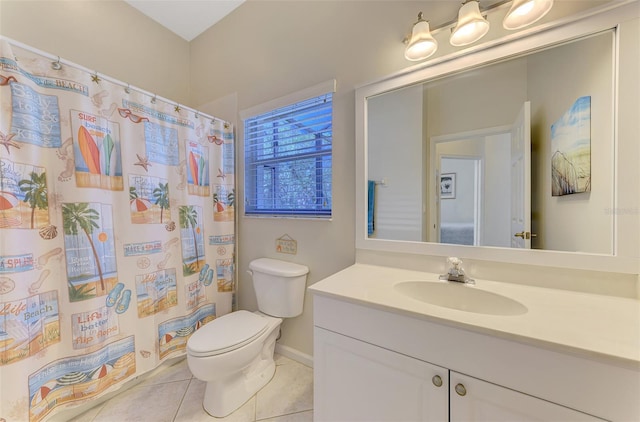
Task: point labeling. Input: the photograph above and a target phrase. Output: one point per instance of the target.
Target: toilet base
(223, 397)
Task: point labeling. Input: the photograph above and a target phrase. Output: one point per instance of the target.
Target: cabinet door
(476, 400)
(356, 381)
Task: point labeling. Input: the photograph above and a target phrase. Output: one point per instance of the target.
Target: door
(476, 400)
(521, 179)
(356, 381)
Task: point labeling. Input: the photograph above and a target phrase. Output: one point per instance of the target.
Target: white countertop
(591, 325)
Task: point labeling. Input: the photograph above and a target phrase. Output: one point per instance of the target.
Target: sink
(461, 297)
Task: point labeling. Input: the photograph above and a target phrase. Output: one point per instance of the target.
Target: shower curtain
(117, 232)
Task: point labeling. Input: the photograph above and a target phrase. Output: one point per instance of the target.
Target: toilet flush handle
(250, 273)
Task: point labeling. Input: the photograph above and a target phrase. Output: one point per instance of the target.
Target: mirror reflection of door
(492, 185)
(521, 179)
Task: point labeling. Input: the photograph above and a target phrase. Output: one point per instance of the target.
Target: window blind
(288, 159)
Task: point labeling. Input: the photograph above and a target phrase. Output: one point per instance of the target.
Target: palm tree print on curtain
(148, 199)
(192, 238)
(23, 196)
(35, 193)
(90, 249)
(161, 195)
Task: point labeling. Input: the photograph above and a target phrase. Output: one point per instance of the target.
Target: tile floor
(173, 395)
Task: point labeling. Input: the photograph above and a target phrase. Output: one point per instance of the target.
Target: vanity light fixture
(471, 25)
(526, 12)
(421, 44)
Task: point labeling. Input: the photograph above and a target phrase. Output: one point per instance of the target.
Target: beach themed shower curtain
(116, 231)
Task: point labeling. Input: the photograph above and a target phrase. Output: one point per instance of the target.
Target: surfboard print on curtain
(97, 151)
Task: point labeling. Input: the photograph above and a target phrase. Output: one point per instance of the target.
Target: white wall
(109, 36)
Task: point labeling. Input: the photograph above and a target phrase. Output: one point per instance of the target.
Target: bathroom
(266, 50)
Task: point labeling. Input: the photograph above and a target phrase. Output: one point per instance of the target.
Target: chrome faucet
(456, 272)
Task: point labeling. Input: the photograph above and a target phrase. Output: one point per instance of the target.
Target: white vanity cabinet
(356, 381)
(472, 399)
(373, 364)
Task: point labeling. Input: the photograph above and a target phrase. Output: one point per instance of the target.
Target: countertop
(590, 325)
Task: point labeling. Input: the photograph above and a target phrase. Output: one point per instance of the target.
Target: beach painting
(174, 333)
(24, 202)
(156, 291)
(149, 201)
(78, 378)
(96, 151)
(28, 326)
(192, 239)
(90, 249)
(571, 150)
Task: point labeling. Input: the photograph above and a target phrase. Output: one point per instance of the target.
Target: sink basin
(461, 297)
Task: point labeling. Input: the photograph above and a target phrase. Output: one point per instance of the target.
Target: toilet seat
(227, 333)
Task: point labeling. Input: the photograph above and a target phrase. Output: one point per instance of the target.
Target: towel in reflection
(371, 206)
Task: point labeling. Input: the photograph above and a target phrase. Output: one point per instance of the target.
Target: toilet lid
(226, 333)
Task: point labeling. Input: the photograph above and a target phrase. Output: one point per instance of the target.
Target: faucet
(456, 272)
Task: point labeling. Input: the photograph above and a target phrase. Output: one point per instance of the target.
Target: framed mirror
(511, 153)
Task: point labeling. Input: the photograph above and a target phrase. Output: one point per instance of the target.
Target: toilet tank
(279, 286)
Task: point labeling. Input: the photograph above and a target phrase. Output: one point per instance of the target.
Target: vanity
(520, 353)
(544, 334)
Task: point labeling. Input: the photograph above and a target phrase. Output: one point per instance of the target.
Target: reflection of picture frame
(448, 185)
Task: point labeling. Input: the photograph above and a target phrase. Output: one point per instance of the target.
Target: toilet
(233, 354)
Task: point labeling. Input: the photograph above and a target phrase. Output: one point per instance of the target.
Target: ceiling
(186, 18)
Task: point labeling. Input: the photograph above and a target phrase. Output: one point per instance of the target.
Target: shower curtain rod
(125, 85)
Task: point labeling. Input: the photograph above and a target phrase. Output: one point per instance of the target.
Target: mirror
(595, 230)
(516, 153)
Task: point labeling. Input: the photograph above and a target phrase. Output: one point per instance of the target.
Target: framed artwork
(448, 185)
(571, 146)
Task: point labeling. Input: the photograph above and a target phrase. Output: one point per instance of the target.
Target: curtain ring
(197, 115)
(128, 89)
(153, 100)
(56, 65)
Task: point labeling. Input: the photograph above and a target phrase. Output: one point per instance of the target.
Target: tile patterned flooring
(174, 395)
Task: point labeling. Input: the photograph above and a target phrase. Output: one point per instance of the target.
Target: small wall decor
(286, 244)
(448, 185)
(571, 150)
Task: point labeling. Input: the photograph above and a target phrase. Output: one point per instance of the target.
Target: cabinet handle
(437, 381)
(461, 390)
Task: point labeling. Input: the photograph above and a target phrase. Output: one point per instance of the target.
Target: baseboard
(295, 354)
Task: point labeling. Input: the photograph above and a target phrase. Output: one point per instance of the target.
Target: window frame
(328, 87)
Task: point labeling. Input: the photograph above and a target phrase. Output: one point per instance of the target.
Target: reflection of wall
(557, 78)
(395, 154)
(461, 103)
(457, 215)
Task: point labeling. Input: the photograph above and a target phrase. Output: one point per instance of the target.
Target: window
(288, 156)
